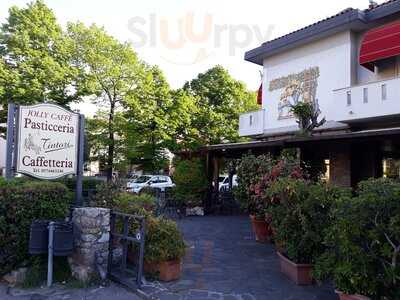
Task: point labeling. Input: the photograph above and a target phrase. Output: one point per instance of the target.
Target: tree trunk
(111, 145)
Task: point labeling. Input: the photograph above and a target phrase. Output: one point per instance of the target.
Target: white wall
(333, 57)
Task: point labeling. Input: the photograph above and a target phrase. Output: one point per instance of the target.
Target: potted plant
(143, 205)
(164, 248)
(255, 175)
(250, 171)
(300, 212)
(363, 243)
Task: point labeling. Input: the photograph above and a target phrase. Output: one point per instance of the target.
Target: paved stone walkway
(59, 292)
(224, 262)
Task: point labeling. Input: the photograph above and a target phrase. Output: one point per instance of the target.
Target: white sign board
(47, 141)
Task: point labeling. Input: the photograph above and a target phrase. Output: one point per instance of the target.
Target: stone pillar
(91, 241)
(340, 165)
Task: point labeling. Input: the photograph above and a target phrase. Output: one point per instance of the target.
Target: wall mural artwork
(300, 87)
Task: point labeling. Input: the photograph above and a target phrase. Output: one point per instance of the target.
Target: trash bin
(39, 237)
(63, 244)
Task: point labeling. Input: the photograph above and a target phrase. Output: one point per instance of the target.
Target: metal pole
(78, 190)
(50, 255)
(10, 140)
(141, 253)
(16, 132)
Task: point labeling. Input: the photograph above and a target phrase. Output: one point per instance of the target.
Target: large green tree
(155, 117)
(219, 99)
(111, 74)
(36, 63)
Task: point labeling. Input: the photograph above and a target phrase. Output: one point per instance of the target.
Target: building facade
(348, 66)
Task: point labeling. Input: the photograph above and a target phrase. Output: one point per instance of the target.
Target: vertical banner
(48, 141)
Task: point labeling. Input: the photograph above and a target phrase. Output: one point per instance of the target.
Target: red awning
(379, 43)
(259, 95)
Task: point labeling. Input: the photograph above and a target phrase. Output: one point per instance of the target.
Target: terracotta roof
(349, 18)
(380, 5)
(316, 23)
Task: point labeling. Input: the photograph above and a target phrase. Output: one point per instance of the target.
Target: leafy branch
(307, 116)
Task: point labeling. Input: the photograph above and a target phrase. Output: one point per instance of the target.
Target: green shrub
(364, 242)
(134, 204)
(164, 241)
(300, 213)
(191, 182)
(88, 183)
(21, 202)
(106, 192)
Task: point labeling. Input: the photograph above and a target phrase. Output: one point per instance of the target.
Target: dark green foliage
(191, 182)
(364, 242)
(164, 241)
(219, 99)
(106, 192)
(300, 213)
(88, 183)
(21, 202)
(307, 116)
(134, 204)
(35, 59)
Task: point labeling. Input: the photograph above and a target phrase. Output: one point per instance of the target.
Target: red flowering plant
(250, 170)
(286, 166)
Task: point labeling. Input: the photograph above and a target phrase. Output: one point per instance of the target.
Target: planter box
(261, 230)
(299, 273)
(166, 270)
(343, 296)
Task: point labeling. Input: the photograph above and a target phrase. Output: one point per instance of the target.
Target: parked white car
(224, 183)
(154, 181)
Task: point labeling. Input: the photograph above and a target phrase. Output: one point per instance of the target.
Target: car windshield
(142, 179)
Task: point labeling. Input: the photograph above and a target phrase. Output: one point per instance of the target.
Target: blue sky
(210, 31)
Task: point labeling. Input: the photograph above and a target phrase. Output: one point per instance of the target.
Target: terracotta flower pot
(167, 270)
(260, 229)
(151, 267)
(170, 270)
(343, 296)
(299, 273)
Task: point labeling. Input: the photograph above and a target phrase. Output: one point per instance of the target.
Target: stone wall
(91, 241)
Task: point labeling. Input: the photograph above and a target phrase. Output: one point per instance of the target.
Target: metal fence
(126, 232)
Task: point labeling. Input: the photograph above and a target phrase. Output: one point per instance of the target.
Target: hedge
(21, 202)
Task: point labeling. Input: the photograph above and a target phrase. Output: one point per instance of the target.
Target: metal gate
(127, 233)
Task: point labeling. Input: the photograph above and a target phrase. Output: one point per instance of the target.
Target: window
(348, 98)
(384, 92)
(365, 95)
(391, 168)
(142, 179)
(162, 179)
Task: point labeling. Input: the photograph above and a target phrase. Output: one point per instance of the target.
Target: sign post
(79, 175)
(46, 141)
(10, 140)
